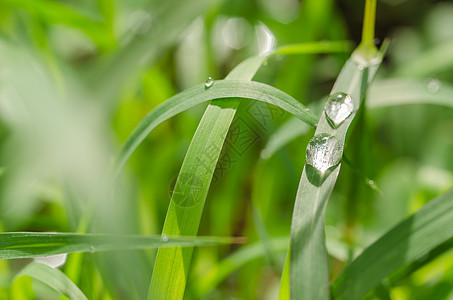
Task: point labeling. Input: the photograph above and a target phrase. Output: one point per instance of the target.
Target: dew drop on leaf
(338, 108)
(209, 82)
(164, 238)
(324, 153)
(433, 86)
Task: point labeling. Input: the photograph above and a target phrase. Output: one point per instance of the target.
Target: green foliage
(86, 84)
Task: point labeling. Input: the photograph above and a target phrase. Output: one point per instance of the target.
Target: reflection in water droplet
(209, 82)
(164, 238)
(338, 108)
(433, 85)
(92, 249)
(324, 153)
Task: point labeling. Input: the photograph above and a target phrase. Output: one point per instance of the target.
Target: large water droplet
(209, 82)
(338, 108)
(164, 238)
(324, 153)
(433, 85)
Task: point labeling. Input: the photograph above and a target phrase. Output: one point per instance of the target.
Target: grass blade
(315, 48)
(54, 278)
(37, 244)
(309, 276)
(403, 244)
(198, 94)
(187, 202)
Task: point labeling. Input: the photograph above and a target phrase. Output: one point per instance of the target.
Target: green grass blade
(403, 244)
(396, 92)
(309, 274)
(36, 244)
(198, 94)
(54, 278)
(315, 48)
(187, 202)
(369, 21)
(284, 281)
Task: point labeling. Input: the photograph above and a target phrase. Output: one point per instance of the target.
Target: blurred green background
(76, 77)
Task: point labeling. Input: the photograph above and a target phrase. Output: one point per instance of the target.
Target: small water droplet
(338, 108)
(360, 67)
(209, 82)
(92, 249)
(433, 85)
(164, 238)
(266, 62)
(324, 153)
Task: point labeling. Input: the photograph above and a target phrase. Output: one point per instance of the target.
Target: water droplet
(324, 153)
(433, 85)
(209, 82)
(373, 186)
(92, 249)
(338, 108)
(266, 62)
(360, 67)
(164, 238)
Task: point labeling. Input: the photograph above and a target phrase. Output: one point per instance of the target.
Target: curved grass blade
(54, 278)
(187, 202)
(409, 240)
(36, 244)
(198, 94)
